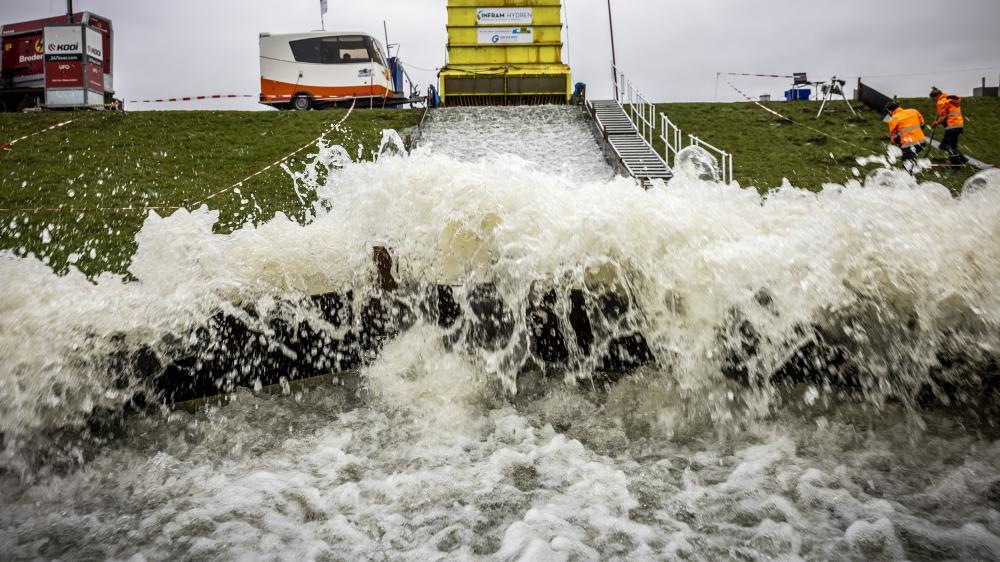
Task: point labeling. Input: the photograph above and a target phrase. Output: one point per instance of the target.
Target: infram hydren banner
(493, 16)
(505, 35)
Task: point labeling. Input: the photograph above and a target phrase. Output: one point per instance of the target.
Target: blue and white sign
(505, 35)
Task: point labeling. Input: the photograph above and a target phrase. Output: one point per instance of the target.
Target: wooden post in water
(383, 268)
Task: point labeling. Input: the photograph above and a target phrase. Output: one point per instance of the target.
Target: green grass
(152, 159)
(178, 158)
(768, 149)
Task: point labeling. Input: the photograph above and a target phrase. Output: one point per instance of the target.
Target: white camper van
(305, 70)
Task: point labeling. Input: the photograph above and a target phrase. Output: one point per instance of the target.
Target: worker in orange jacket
(949, 114)
(906, 132)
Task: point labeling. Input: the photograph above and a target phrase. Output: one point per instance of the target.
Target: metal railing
(673, 142)
(672, 139)
(640, 111)
(725, 159)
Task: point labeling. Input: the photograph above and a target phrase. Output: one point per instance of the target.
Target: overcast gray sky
(671, 49)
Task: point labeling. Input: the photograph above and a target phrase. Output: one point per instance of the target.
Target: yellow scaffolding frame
(505, 52)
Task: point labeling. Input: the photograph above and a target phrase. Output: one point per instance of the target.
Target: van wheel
(302, 103)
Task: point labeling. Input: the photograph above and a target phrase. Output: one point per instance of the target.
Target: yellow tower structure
(505, 52)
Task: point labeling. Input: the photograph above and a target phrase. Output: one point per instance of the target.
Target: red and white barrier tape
(755, 75)
(792, 121)
(194, 98)
(9, 145)
(233, 96)
(89, 209)
(330, 129)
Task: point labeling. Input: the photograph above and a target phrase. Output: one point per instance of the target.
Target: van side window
(346, 49)
(331, 50)
(375, 51)
(306, 50)
(352, 49)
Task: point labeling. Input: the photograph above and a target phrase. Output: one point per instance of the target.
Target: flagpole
(322, 22)
(614, 61)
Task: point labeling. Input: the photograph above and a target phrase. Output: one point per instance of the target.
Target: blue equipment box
(798, 94)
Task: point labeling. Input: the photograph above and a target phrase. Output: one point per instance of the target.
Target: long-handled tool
(931, 147)
(930, 142)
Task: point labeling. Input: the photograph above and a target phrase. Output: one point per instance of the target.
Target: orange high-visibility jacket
(905, 127)
(949, 112)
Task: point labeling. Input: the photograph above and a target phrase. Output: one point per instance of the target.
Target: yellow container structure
(505, 52)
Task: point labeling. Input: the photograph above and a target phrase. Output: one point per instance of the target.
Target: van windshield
(344, 49)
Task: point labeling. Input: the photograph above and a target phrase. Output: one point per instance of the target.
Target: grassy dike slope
(767, 149)
(154, 158)
(178, 158)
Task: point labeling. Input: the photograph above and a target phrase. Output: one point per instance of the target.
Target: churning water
(823, 384)
(558, 139)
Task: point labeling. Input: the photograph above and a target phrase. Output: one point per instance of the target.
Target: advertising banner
(63, 40)
(74, 66)
(64, 64)
(95, 77)
(505, 35)
(23, 56)
(494, 16)
(64, 74)
(95, 46)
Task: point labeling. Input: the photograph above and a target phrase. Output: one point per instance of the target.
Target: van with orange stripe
(305, 70)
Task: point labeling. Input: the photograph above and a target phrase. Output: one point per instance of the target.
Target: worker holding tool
(949, 114)
(906, 132)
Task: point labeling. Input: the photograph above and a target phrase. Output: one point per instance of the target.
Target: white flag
(322, 7)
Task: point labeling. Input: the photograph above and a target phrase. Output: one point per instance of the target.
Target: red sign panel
(95, 76)
(23, 56)
(64, 74)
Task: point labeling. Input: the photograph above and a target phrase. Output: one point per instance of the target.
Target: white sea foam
(688, 255)
(457, 452)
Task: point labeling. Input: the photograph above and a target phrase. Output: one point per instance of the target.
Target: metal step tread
(640, 160)
(632, 147)
(638, 150)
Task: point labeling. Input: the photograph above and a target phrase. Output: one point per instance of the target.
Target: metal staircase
(631, 149)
